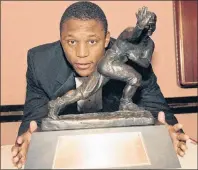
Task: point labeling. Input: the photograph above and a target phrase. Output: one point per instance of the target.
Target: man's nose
(82, 50)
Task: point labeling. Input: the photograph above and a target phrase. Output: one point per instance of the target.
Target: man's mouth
(83, 66)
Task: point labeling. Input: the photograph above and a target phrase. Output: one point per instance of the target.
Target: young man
(53, 69)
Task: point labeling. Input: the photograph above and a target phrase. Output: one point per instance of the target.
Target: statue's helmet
(152, 23)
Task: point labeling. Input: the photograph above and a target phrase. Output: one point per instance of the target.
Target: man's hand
(19, 150)
(178, 139)
(143, 16)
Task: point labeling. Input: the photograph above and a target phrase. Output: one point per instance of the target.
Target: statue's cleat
(52, 115)
(130, 106)
(53, 110)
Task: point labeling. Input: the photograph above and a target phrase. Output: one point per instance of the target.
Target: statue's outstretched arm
(133, 34)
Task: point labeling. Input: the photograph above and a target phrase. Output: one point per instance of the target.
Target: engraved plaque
(108, 150)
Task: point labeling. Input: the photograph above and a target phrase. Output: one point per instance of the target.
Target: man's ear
(107, 39)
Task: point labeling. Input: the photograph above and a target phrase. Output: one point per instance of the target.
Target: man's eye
(92, 42)
(72, 42)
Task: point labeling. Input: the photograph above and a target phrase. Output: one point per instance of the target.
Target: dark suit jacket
(49, 75)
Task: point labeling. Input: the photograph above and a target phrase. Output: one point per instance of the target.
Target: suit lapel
(65, 80)
(69, 84)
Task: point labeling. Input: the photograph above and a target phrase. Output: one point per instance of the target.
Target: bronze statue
(132, 44)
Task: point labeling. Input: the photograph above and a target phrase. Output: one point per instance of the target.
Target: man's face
(84, 43)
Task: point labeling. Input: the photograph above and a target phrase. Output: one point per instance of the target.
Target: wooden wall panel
(185, 13)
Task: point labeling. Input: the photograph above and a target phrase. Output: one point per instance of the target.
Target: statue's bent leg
(90, 86)
(55, 106)
(121, 71)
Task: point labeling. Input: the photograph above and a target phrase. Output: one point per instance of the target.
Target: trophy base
(98, 120)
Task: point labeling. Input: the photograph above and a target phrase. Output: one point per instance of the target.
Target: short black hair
(84, 10)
